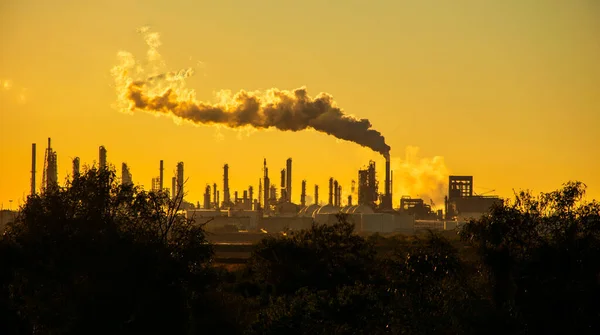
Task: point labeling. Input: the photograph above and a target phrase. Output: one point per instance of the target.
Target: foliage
(541, 253)
(323, 257)
(98, 257)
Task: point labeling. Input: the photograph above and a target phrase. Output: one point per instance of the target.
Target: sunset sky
(507, 91)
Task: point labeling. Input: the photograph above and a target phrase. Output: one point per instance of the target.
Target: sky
(507, 91)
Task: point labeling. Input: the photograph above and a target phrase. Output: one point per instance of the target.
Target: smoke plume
(426, 178)
(164, 92)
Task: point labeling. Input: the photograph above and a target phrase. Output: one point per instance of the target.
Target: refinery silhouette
(272, 205)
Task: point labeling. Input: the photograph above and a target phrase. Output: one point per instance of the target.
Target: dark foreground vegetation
(99, 258)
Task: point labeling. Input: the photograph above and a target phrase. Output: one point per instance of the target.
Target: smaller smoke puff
(280, 109)
(414, 176)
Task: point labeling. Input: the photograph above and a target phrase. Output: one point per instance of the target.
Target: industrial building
(274, 208)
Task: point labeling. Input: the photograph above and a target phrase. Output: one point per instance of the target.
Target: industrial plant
(271, 207)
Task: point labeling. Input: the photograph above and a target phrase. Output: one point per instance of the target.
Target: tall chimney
(335, 193)
(330, 202)
(161, 175)
(288, 180)
(226, 198)
(391, 188)
(174, 188)
(388, 196)
(350, 200)
(303, 194)
(75, 167)
(180, 180)
(251, 196)
(33, 157)
(339, 201)
(102, 157)
(206, 197)
(266, 187)
(259, 192)
(215, 195)
(316, 194)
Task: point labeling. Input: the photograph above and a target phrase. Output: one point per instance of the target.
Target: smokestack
(387, 180)
(335, 193)
(174, 188)
(330, 202)
(125, 175)
(206, 197)
(303, 194)
(75, 167)
(350, 200)
(161, 175)
(316, 194)
(215, 195)
(266, 187)
(251, 196)
(226, 198)
(259, 192)
(288, 179)
(180, 180)
(391, 188)
(339, 201)
(33, 158)
(102, 157)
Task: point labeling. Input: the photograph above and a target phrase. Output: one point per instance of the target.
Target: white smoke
(416, 176)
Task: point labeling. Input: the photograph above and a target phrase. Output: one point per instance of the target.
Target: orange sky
(507, 91)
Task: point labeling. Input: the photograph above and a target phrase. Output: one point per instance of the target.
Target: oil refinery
(271, 208)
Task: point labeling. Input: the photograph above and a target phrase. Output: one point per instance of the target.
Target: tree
(99, 257)
(542, 257)
(323, 257)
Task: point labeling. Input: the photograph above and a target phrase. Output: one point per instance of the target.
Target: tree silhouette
(542, 256)
(99, 257)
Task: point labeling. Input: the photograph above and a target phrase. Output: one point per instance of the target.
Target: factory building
(462, 204)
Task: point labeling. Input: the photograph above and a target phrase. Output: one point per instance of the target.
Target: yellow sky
(507, 91)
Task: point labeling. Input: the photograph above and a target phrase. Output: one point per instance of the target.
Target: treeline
(96, 257)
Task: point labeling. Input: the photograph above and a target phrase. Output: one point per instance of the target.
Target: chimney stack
(288, 180)
(388, 196)
(215, 195)
(102, 157)
(33, 157)
(303, 194)
(206, 197)
(335, 193)
(174, 188)
(75, 167)
(226, 196)
(330, 202)
(316, 194)
(161, 175)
